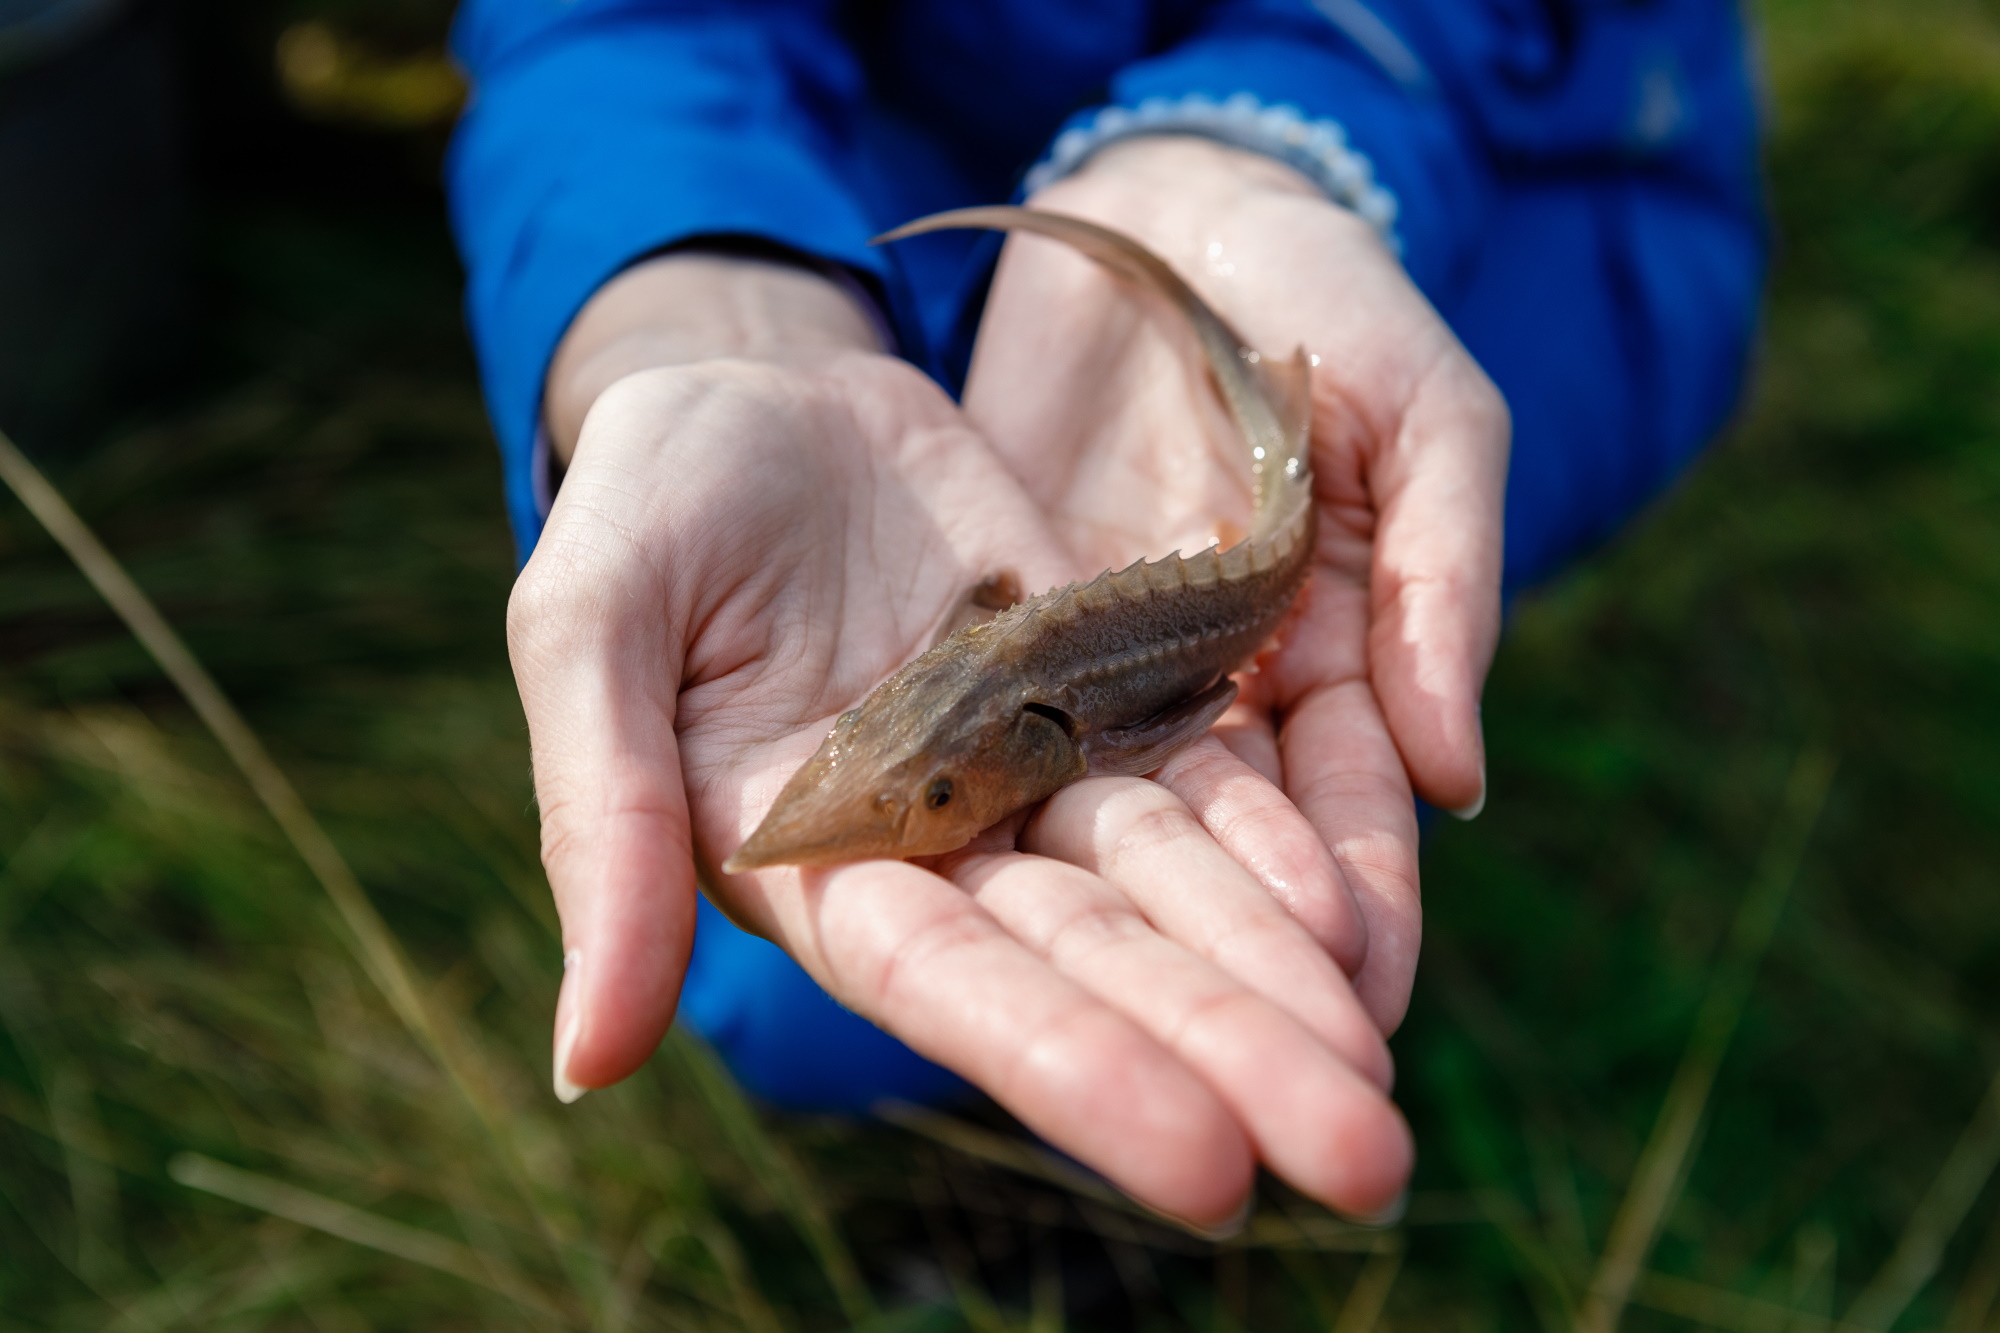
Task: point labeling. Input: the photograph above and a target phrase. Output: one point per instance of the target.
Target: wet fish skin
(1108, 676)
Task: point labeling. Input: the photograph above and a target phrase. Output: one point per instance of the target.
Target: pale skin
(764, 514)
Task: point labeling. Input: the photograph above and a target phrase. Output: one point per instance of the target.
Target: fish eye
(938, 795)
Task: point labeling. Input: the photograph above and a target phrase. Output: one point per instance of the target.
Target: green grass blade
(1656, 1181)
(1362, 1312)
(376, 948)
(775, 1170)
(358, 1227)
(1973, 1308)
(1936, 1220)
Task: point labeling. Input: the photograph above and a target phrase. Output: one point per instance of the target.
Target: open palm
(1096, 401)
(743, 549)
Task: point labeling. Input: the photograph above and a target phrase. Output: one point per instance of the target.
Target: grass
(1709, 1022)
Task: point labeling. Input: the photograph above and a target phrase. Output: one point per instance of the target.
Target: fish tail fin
(1288, 383)
(1283, 482)
(1121, 254)
(1271, 400)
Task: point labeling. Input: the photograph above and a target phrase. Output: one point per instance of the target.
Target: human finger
(1143, 839)
(1246, 730)
(913, 953)
(1439, 486)
(599, 699)
(1346, 776)
(1253, 821)
(1313, 1119)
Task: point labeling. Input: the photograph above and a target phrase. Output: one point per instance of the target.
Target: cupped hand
(1098, 404)
(742, 547)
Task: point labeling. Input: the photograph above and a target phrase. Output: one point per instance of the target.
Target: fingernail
(571, 1025)
(1471, 812)
(1388, 1217)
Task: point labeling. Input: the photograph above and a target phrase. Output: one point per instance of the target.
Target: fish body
(1109, 676)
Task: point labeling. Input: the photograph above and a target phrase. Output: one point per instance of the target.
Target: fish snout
(812, 826)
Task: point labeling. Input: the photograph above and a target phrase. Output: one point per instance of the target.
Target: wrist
(1182, 193)
(1185, 166)
(695, 305)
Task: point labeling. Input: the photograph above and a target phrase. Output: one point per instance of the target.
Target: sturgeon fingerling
(1109, 676)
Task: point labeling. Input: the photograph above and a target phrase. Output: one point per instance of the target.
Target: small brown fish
(1109, 676)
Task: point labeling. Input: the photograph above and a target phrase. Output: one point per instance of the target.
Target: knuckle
(895, 977)
(1455, 385)
(1477, 396)
(1159, 819)
(1385, 873)
(562, 836)
(1088, 933)
(1265, 828)
(534, 608)
(1041, 1049)
(1247, 946)
(1218, 1015)
(559, 841)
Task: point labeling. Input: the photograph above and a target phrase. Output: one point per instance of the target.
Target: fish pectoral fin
(986, 599)
(1144, 746)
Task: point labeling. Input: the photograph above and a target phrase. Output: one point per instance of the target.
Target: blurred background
(1709, 1016)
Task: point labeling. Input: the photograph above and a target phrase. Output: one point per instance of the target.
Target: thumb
(599, 694)
(1434, 619)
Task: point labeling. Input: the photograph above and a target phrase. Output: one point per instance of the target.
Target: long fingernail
(572, 1024)
(1388, 1217)
(1471, 812)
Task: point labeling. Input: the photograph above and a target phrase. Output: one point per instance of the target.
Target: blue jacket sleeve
(1454, 102)
(602, 130)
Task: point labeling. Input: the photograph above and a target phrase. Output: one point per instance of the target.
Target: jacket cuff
(1287, 81)
(1317, 149)
(577, 159)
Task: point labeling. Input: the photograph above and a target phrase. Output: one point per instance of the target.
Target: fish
(1109, 676)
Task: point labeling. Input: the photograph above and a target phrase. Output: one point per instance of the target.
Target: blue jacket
(1576, 181)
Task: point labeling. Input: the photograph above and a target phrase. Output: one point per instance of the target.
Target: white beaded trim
(1316, 148)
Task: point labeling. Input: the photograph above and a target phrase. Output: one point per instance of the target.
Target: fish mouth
(828, 814)
(781, 841)
(751, 856)
(762, 854)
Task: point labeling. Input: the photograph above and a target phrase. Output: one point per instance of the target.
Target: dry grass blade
(1045, 1297)
(375, 945)
(378, 950)
(751, 1307)
(955, 1257)
(1656, 1181)
(1936, 1219)
(1265, 1231)
(93, 1184)
(1362, 1312)
(1542, 1276)
(1981, 1288)
(1713, 1308)
(355, 1226)
(777, 1172)
(1321, 1233)
(984, 1145)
